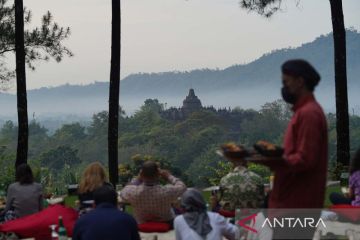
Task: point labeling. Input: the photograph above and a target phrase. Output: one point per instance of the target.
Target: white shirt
(220, 229)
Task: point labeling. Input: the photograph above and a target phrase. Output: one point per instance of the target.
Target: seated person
(106, 221)
(24, 197)
(93, 177)
(150, 200)
(353, 196)
(241, 188)
(196, 223)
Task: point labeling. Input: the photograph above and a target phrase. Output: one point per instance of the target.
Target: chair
(152, 230)
(227, 214)
(154, 227)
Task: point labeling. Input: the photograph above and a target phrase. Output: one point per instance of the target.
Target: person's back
(196, 223)
(220, 229)
(94, 176)
(241, 188)
(150, 200)
(105, 221)
(25, 199)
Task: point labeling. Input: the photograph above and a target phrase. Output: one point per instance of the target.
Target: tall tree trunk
(114, 93)
(342, 112)
(23, 132)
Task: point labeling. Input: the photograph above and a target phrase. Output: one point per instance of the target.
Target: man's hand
(136, 180)
(165, 174)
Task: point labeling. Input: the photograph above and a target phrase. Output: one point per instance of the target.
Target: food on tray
(268, 149)
(232, 147)
(233, 150)
(266, 145)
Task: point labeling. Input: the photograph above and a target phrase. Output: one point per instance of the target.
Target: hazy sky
(166, 35)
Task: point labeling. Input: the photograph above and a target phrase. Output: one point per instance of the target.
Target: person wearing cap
(241, 188)
(300, 175)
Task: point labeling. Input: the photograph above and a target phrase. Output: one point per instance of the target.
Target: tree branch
(7, 50)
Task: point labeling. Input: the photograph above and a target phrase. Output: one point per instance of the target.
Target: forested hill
(263, 72)
(248, 85)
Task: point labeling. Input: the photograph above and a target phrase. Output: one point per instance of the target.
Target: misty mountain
(248, 85)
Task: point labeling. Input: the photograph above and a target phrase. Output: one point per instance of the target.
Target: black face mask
(287, 96)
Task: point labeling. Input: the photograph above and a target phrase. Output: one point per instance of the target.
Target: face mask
(287, 96)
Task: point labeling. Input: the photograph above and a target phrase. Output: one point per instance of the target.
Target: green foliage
(335, 170)
(261, 170)
(55, 182)
(268, 125)
(7, 170)
(208, 168)
(99, 124)
(187, 148)
(70, 133)
(222, 168)
(41, 43)
(125, 173)
(8, 130)
(63, 156)
(152, 105)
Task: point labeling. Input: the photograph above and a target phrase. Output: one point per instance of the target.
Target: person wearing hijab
(198, 224)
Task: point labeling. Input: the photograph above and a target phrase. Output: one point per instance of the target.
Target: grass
(329, 190)
(70, 201)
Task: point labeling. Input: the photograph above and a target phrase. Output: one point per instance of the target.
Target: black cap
(302, 68)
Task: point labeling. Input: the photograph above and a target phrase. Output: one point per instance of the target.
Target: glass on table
(54, 234)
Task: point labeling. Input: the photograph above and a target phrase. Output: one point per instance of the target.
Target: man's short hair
(150, 169)
(105, 194)
(302, 68)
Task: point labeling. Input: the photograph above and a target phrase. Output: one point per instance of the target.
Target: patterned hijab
(196, 215)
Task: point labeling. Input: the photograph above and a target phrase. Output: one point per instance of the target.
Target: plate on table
(268, 149)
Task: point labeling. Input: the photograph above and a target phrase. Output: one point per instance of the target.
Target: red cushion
(348, 211)
(37, 225)
(227, 214)
(151, 227)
